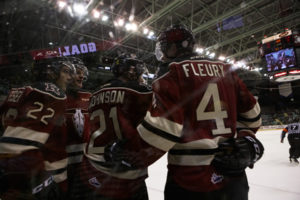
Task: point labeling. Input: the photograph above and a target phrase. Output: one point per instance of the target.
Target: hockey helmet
(179, 35)
(128, 68)
(49, 69)
(78, 64)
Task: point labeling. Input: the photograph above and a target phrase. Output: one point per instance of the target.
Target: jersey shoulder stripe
(49, 89)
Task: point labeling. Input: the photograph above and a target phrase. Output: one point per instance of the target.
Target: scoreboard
(282, 55)
(277, 42)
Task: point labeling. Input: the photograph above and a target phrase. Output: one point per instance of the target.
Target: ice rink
(272, 178)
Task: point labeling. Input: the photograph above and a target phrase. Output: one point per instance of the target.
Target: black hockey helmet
(178, 34)
(127, 67)
(49, 69)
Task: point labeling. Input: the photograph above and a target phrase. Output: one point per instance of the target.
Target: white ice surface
(272, 178)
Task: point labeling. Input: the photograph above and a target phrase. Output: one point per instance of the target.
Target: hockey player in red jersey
(293, 131)
(115, 111)
(32, 148)
(201, 113)
(77, 120)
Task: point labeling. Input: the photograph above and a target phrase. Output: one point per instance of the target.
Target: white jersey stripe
(56, 164)
(154, 140)
(96, 150)
(14, 148)
(254, 112)
(164, 124)
(26, 133)
(60, 177)
(242, 124)
(131, 174)
(201, 144)
(75, 147)
(75, 159)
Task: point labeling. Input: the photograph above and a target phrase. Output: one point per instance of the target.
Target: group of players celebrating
(60, 142)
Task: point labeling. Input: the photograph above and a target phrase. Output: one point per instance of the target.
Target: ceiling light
(61, 4)
(79, 9)
(111, 34)
(96, 14)
(212, 55)
(133, 26)
(199, 50)
(128, 26)
(116, 24)
(120, 22)
(222, 58)
(146, 31)
(150, 35)
(131, 18)
(104, 18)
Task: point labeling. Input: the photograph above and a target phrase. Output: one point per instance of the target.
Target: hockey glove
(118, 157)
(236, 154)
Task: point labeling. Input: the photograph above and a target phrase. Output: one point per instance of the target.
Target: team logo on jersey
(94, 182)
(78, 121)
(50, 87)
(215, 178)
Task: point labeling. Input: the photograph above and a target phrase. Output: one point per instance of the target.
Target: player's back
(120, 107)
(115, 111)
(33, 118)
(206, 98)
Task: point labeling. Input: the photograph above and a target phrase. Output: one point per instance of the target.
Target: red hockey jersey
(116, 110)
(77, 130)
(32, 148)
(196, 105)
(77, 120)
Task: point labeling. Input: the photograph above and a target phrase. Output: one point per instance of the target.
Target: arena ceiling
(231, 28)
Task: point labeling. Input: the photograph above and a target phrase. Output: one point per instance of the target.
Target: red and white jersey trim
(251, 113)
(130, 175)
(155, 140)
(21, 133)
(57, 165)
(164, 124)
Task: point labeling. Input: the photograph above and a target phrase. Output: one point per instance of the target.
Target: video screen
(282, 59)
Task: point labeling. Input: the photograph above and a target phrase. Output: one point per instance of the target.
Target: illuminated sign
(276, 37)
(77, 49)
(280, 74)
(294, 71)
(72, 50)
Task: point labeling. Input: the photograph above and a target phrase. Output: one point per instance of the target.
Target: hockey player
(293, 131)
(32, 148)
(115, 111)
(77, 120)
(201, 113)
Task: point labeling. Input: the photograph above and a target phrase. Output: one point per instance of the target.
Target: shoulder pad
(49, 89)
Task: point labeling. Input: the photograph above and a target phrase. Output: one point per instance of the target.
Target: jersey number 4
(218, 114)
